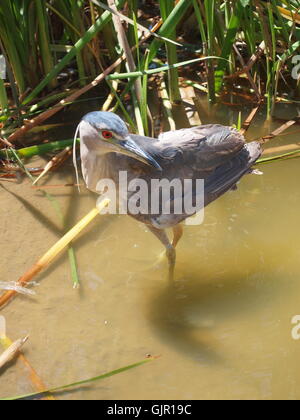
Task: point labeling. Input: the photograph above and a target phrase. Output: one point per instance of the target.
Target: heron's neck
(95, 166)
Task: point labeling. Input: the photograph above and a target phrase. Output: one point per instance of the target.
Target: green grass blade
(278, 157)
(41, 149)
(136, 39)
(230, 38)
(173, 81)
(132, 30)
(135, 74)
(240, 122)
(44, 40)
(74, 269)
(80, 383)
(77, 20)
(3, 96)
(210, 18)
(169, 25)
(72, 18)
(200, 23)
(13, 55)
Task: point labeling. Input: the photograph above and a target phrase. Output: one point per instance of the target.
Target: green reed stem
(80, 383)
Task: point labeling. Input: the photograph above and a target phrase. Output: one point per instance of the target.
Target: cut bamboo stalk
(12, 351)
(53, 252)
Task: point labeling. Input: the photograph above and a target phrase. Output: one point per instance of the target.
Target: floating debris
(256, 172)
(16, 287)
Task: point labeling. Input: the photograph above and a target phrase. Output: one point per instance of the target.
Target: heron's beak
(130, 148)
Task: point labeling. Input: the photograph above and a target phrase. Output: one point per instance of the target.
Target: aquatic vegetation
(61, 44)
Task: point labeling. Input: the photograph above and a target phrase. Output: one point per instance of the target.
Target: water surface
(223, 329)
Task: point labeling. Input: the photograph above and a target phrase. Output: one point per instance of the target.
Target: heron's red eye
(107, 134)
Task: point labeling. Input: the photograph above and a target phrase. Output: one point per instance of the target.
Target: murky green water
(223, 330)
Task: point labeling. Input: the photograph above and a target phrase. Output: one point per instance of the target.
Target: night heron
(214, 153)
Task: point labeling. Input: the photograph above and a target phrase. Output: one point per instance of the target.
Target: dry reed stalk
(5, 142)
(248, 120)
(278, 131)
(293, 16)
(49, 113)
(122, 38)
(54, 162)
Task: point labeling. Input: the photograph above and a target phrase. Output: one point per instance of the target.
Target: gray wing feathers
(202, 148)
(214, 152)
(226, 176)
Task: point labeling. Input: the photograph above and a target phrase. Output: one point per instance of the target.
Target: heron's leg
(170, 249)
(178, 232)
(177, 235)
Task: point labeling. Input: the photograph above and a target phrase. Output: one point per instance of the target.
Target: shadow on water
(70, 216)
(36, 213)
(188, 314)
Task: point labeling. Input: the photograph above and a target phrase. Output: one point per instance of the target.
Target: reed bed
(249, 46)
